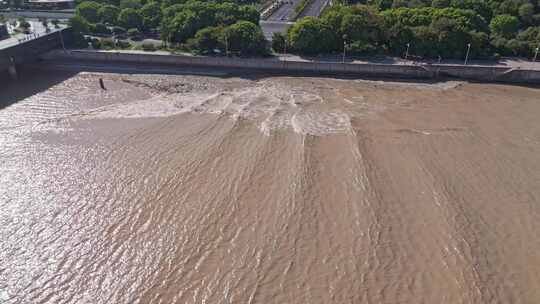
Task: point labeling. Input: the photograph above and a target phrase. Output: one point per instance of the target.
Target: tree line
(202, 27)
(430, 29)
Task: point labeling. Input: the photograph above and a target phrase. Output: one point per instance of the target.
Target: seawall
(29, 50)
(420, 71)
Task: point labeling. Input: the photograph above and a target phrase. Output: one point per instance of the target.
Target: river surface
(199, 189)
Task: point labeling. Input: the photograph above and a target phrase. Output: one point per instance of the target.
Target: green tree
(481, 7)
(108, 14)
(25, 26)
(45, 23)
(382, 4)
(278, 42)
(135, 4)
(134, 33)
(89, 11)
(245, 38)
(396, 38)
(516, 47)
(151, 14)
(79, 25)
(183, 26)
(504, 25)
(507, 7)
(364, 25)
(311, 36)
(130, 18)
(249, 13)
(440, 3)
(207, 40)
(526, 12)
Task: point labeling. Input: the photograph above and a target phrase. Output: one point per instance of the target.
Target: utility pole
(467, 56)
(407, 51)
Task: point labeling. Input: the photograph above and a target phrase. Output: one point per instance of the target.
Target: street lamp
(407, 51)
(467, 56)
(285, 50)
(344, 47)
(536, 52)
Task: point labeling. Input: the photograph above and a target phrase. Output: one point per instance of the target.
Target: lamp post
(285, 48)
(407, 51)
(344, 48)
(467, 56)
(536, 52)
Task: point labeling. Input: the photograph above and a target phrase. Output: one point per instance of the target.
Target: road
(37, 30)
(285, 12)
(314, 8)
(60, 15)
(270, 27)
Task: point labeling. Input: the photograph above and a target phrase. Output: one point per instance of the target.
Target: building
(3, 31)
(51, 4)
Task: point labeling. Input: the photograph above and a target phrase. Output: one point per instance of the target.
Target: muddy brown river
(267, 189)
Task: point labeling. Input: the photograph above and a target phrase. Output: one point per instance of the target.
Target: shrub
(107, 43)
(134, 33)
(122, 44)
(25, 25)
(96, 44)
(101, 28)
(118, 30)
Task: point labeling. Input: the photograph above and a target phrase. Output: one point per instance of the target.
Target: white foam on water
(320, 123)
(270, 106)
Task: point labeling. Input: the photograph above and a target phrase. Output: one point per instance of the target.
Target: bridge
(14, 51)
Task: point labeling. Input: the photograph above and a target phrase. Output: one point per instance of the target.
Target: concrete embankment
(420, 71)
(28, 50)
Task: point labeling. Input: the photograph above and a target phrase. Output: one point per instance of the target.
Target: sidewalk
(515, 63)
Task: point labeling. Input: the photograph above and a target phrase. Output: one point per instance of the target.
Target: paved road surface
(314, 8)
(270, 27)
(37, 29)
(60, 15)
(285, 12)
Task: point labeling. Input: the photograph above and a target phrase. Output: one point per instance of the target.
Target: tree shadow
(30, 81)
